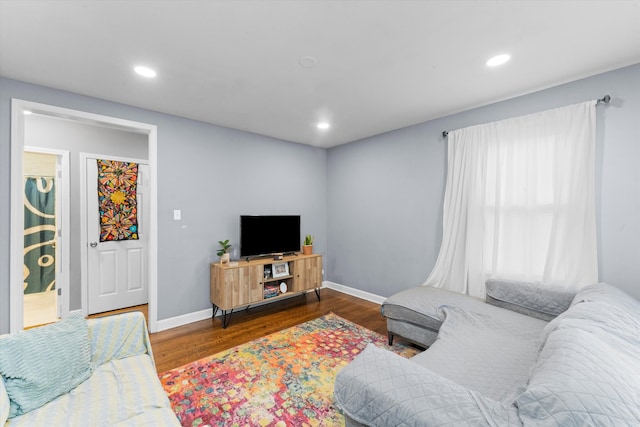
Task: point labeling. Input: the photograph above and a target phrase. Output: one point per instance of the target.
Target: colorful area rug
(283, 379)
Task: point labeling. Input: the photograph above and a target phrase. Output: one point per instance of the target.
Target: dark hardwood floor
(178, 346)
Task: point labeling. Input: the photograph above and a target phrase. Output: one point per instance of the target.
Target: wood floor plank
(178, 346)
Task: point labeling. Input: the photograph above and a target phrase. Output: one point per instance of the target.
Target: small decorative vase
(224, 259)
(307, 249)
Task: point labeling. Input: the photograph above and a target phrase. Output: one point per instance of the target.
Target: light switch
(177, 215)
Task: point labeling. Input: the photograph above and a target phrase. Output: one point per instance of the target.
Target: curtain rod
(604, 100)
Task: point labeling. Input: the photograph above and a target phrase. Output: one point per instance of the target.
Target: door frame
(63, 223)
(84, 222)
(16, 258)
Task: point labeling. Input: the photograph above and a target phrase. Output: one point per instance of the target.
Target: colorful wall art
(117, 184)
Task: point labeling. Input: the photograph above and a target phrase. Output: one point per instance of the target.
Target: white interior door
(117, 271)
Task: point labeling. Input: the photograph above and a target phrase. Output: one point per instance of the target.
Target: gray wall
(76, 137)
(386, 192)
(213, 174)
(378, 202)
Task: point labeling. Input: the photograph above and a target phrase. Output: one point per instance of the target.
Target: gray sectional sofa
(527, 356)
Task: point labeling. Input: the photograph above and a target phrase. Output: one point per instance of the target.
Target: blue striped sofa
(121, 389)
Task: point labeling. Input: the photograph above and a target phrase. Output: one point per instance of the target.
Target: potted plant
(307, 245)
(223, 252)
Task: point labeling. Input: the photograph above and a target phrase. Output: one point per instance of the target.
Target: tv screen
(268, 234)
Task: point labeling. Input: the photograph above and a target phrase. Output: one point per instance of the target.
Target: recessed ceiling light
(307, 62)
(145, 71)
(498, 60)
(27, 112)
(323, 125)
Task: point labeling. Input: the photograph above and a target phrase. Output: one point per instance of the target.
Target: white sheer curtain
(519, 202)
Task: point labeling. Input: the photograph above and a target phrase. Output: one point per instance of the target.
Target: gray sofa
(526, 356)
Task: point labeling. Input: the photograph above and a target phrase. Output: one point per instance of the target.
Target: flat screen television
(269, 234)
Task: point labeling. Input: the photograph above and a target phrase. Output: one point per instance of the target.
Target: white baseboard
(174, 322)
(354, 292)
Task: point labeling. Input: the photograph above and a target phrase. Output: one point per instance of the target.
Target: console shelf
(243, 283)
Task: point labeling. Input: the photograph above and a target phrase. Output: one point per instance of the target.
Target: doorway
(19, 130)
(46, 202)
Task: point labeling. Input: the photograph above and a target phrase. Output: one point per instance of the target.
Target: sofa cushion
(588, 370)
(380, 388)
(122, 392)
(532, 299)
(609, 323)
(118, 337)
(420, 305)
(603, 292)
(40, 364)
(579, 380)
(466, 351)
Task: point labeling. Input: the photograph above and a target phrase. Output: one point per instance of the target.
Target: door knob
(93, 244)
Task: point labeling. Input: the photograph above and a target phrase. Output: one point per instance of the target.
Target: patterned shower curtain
(39, 234)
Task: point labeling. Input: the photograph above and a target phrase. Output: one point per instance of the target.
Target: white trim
(17, 215)
(16, 221)
(84, 156)
(84, 286)
(355, 292)
(152, 147)
(184, 319)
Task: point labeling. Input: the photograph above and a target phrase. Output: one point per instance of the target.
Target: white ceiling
(380, 65)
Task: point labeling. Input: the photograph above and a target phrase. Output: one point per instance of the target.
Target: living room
(347, 191)
(373, 204)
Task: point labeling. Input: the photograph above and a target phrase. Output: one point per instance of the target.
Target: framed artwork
(280, 269)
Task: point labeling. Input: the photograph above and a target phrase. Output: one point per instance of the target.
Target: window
(519, 202)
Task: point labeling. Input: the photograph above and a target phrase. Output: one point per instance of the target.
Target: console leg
(215, 310)
(226, 318)
(317, 291)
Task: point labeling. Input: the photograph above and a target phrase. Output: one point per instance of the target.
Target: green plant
(225, 247)
(308, 240)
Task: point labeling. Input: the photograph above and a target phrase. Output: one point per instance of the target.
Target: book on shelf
(271, 291)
